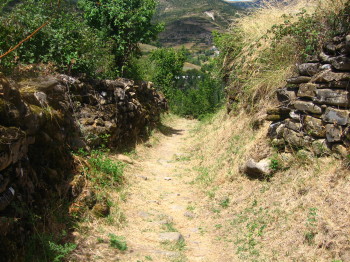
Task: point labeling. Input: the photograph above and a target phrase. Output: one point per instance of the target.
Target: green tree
(168, 66)
(126, 22)
(66, 41)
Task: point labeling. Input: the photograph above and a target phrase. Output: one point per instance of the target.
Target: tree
(169, 63)
(126, 22)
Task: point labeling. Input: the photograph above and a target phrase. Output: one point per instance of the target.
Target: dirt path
(163, 200)
(164, 217)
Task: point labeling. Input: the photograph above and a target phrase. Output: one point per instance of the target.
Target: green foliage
(251, 223)
(117, 242)
(125, 22)
(192, 93)
(169, 63)
(275, 164)
(43, 247)
(61, 251)
(66, 41)
(225, 203)
(104, 172)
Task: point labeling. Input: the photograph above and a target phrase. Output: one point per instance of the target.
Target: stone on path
(125, 159)
(167, 178)
(189, 214)
(171, 237)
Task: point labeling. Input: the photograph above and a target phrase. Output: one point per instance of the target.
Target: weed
(224, 203)
(204, 177)
(169, 227)
(100, 240)
(311, 224)
(218, 226)
(174, 246)
(61, 251)
(45, 247)
(274, 164)
(117, 242)
(251, 223)
(191, 208)
(104, 172)
(149, 258)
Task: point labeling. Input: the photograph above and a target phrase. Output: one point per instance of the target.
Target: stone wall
(314, 105)
(41, 121)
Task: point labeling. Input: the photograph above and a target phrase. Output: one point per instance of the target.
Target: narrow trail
(162, 199)
(167, 218)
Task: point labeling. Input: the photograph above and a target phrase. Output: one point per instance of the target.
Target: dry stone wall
(41, 121)
(314, 110)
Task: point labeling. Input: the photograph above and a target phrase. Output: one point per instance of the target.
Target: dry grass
(262, 65)
(301, 214)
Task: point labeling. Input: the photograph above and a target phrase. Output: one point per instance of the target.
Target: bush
(66, 41)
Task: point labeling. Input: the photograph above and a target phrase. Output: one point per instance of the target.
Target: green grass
(177, 246)
(117, 242)
(104, 172)
(169, 227)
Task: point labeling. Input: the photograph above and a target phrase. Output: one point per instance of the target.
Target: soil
(161, 197)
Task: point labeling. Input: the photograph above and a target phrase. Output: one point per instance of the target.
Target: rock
(143, 214)
(283, 111)
(324, 58)
(295, 139)
(326, 67)
(314, 127)
(278, 142)
(307, 90)
(293, 124)
(307, 107)
(341, 150)
(101, 209)
(329, 76)
(341, 63)
(167, 178)
(332, 115)
(88, 198)
(339, 84)
(294, 115)
(308, 69)
(171, 237)
(320, 147)
(274, 118)
(332, 97)
(298, 80)
(125, 159)
(272, 131)
(189, 214)
(259, 169)
(286, 96)
(3, 183)
(77, 185)
(6, 198)
(333, 133)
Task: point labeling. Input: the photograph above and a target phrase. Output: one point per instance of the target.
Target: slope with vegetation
(192, 21)
(292, 206)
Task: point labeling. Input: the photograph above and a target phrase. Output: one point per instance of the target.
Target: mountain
(191, 22)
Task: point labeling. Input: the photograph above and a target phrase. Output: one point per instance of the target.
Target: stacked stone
(314, 110)
(41, 121)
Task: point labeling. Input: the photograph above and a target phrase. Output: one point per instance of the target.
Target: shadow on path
(169, 131)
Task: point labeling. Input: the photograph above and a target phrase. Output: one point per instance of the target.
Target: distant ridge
(189, 21)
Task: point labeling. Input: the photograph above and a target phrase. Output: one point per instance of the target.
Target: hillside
(192, 21)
